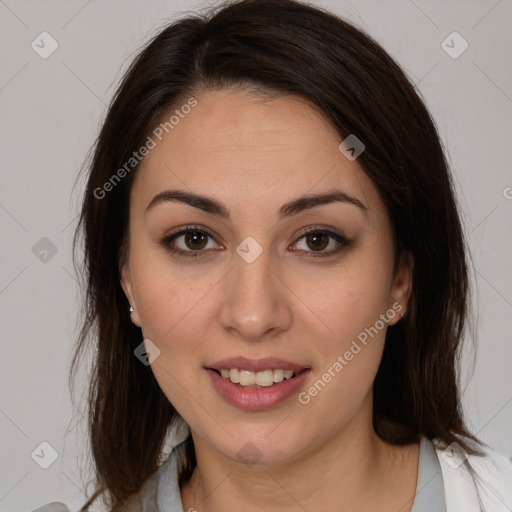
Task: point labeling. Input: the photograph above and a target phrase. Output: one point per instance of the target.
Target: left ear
(401, 287)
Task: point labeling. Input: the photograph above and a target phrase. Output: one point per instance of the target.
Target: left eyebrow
(210, 205)
(310, 201)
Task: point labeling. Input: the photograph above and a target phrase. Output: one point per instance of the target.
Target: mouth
(260, 379)
(262, 372)
(257, 385)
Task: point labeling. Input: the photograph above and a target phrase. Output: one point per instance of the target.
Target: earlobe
(126, 284)
(402, 287)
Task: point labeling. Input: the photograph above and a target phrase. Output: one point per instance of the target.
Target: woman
(274, 261)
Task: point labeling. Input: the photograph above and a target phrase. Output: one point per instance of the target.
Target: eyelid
(342, 240)
(315, 228)
(191, 227)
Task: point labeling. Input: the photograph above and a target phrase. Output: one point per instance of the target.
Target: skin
(254, 155)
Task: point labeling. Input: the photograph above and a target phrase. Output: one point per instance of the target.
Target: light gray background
(51, 111)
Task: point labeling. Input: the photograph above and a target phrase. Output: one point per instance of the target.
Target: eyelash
(343, 242)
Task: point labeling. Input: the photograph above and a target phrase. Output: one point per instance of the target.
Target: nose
(257, 301)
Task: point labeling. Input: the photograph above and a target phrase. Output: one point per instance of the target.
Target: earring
(131, 310)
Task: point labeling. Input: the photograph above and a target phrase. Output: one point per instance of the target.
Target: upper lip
(256, 365)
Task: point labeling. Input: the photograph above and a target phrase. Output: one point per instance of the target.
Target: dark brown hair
(279, 47)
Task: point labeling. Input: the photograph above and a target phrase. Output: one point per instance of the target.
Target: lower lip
(255, 399)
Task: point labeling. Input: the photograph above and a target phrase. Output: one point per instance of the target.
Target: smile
(263, 378)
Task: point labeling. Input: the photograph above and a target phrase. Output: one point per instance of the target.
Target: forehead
(245, 149)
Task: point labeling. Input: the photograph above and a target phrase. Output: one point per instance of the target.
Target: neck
(352, 470)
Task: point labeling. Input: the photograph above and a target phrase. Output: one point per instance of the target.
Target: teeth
(278, 375)
(247, 378)
(263, 379)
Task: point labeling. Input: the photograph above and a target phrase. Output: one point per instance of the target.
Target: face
(241, 275)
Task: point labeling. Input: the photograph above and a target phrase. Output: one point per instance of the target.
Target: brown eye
(190, 241)
(317, 241)
(196, 240)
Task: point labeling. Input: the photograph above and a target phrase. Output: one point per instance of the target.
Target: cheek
(351, 354)
(176, 314)
(350, 305)
(173, 316)
(352, 299)
(170, 300)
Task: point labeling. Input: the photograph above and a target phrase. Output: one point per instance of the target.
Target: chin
(263, 446)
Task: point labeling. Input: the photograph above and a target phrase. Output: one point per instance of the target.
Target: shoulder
(469, 479)
(159, 493)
